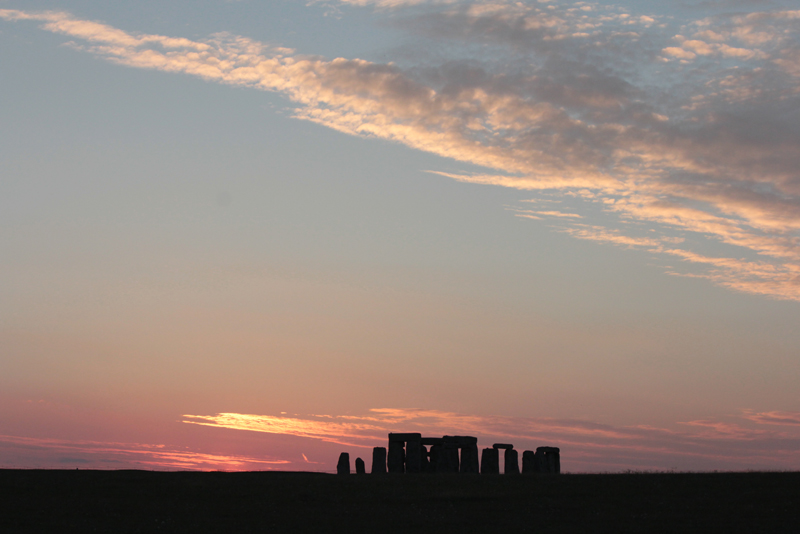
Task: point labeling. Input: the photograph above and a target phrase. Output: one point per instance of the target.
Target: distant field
(144, 501)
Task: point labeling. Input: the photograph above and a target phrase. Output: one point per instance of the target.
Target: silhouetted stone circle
(408, 453)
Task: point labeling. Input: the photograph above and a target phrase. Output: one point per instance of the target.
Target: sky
(242, 235)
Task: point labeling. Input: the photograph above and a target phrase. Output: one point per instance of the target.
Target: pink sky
(253, 235)
(231, 442)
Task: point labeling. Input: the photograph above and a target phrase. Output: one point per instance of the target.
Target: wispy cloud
(551, 213)
(342, 430)
(774, 418)
(52, 453)
(604, 235)
(689, 128)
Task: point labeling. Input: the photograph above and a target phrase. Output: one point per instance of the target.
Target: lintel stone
(405, 437)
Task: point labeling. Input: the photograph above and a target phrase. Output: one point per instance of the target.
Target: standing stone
(469, 452)
(511, 458)
(557, 460)
(413, 459)
(396, 457)
(379, 461)
(527, 462)
(490, 462)
(425, 464)
(448, 459)
(435, 458)
(551, 462)
(473, 468)
(539, 461)
(549, 459)
(360, 469)
(463, 464)
(469, 458)
(343, 467)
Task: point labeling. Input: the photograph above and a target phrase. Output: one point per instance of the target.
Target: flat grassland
(146, 501)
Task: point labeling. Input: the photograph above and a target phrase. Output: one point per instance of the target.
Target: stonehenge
(411, 453)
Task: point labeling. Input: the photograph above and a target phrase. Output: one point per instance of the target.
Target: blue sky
(524, 212)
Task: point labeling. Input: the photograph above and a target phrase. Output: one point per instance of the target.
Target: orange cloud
(587, 446)
(335, 430)
(753, 440)
(604, 235)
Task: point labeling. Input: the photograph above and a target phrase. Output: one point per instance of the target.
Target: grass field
(144, 501)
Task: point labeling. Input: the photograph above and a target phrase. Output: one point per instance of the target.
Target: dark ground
(145, 501)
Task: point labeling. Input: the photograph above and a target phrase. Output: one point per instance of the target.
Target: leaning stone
(343, 467)
(511, 458)
(527, 462)
(490, 462)
(360, 469)
(397, 456)
(379, 461)
(413, 459)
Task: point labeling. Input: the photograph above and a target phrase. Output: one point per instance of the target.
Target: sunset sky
(254, 234)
